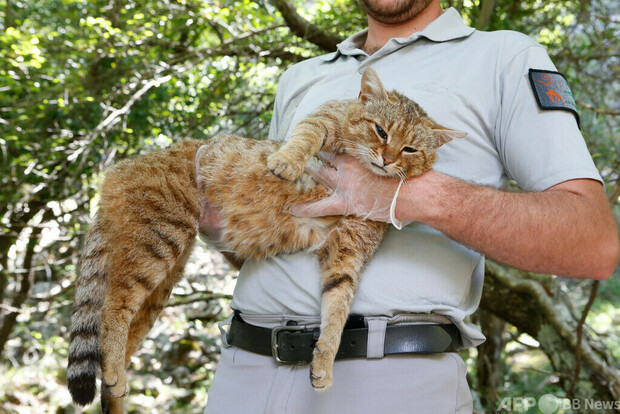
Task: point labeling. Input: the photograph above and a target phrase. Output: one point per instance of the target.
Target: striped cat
(149, 211)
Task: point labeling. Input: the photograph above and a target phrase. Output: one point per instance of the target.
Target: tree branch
(306, 30)
(578, 349)
(597, 110)
(527, 305)
(594, 291)
(8, 322)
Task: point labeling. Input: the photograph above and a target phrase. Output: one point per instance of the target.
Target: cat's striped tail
(85, 328)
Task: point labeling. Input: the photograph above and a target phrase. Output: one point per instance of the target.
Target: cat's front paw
(284, 167)
(115, 381)
(321, 370)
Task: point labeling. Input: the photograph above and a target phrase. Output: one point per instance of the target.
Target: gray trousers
(249, 383)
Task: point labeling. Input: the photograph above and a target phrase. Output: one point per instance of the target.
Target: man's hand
(209, 225)
(567, 229)
(356, 191)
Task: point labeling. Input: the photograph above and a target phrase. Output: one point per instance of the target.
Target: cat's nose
(387, 160)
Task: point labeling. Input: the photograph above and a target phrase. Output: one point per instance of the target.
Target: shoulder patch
(552, 91)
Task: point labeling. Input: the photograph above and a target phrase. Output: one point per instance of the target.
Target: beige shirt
(467, 80)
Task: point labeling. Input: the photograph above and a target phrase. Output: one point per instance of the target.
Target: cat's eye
(381, 132)
(409, 150)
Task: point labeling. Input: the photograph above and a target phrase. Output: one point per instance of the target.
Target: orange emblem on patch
(548, 80)
(554, 96)
(551, 91)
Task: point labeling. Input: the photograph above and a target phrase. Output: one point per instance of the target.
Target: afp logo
(547, 404)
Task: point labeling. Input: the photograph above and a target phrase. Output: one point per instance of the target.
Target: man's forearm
(567, 230)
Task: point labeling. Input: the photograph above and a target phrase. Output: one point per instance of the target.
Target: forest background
(84, 84)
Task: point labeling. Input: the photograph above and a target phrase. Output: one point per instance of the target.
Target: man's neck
(380, 33)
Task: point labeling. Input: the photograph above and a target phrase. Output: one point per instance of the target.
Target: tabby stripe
(145, 282)
(155, 308)
(85, 332)
(153, 251)
(179, 224)
(156, 202)
(331, 284)
(89, 304)
(87, 277)
(123, 284)
(171, 243)
(183, 199)
(157, 208)
(183, 225)
(78, 357)
(144, 189)
(94, 253)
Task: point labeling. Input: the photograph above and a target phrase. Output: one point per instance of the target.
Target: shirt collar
(448, 26)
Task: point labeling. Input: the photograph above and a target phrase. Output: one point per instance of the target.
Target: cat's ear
(372, 88)
(443, 135)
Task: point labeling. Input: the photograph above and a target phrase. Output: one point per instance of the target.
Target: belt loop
(223, 332)
(376, 338)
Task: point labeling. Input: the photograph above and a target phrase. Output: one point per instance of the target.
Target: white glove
(209, 226)
(356, 191)
(210, 222)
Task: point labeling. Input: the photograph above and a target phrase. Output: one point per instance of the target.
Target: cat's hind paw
(321, 370)
(115, 382)
(279, 164)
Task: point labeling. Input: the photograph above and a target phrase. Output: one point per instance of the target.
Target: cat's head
(391, 134)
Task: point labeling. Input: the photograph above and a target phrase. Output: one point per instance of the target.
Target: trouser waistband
(292, 343)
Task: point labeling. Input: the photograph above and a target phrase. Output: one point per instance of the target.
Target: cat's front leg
(324, 354)
(307, 139)
(285, 165)
(350, 245)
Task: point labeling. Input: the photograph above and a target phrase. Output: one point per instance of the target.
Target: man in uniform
(504, 91)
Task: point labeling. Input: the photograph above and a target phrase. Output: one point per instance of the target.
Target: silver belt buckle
(274, 343)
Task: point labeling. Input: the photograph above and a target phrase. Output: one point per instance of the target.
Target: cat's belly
(415, 270)
(258, 237)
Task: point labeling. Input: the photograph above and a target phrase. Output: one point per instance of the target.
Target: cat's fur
(150, 206)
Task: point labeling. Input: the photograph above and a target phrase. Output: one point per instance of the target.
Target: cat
(150, 206)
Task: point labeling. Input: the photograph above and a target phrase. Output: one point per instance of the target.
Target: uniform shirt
(468, 80)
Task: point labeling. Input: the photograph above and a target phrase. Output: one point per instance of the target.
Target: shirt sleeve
(538, 147)
(277, 111)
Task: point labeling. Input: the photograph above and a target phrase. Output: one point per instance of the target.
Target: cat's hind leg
(126, 294)
(141, 324)
(346, 251)
(134, 274)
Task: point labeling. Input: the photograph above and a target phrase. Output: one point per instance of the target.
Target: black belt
(292, 344)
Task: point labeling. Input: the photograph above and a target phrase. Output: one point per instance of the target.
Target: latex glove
(209, 226)
(356, 191)
(210, 222)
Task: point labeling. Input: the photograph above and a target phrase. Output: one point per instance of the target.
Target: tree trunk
(305, 29)
(489, 364)
(9, 319)
(539, 310)
(487, 7)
